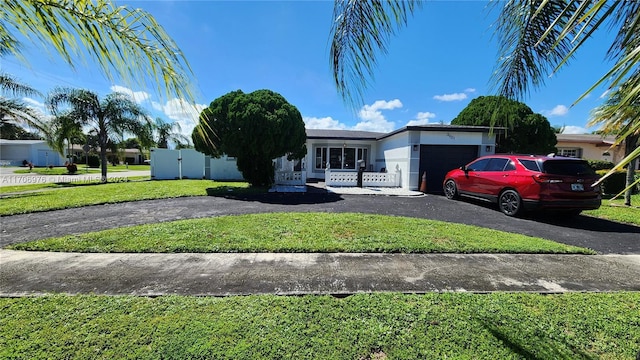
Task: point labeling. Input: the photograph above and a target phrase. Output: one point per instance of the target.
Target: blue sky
(436, 65)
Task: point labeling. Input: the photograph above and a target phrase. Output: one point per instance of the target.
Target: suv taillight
(543, 178)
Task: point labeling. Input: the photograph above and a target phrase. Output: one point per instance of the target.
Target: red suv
(526, 182)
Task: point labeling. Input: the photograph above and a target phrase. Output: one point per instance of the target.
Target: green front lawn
(363, 326)
(93, 194)
(616, 211)
(303, 232)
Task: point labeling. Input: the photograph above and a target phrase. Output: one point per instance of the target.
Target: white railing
(369, 179)
(340, 178)
(290, 177)
(380, 179)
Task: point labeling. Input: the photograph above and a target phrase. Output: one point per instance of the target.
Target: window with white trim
(570, 152)
(339, 157)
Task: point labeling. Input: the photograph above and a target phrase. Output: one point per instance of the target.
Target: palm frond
(530, 43)
(17, 111)
(616, 119)
(619, 166)
(123, 41)
(360, 31)
(13, 86)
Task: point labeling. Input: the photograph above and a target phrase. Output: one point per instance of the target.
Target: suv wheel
(450, 189)
(510, 203)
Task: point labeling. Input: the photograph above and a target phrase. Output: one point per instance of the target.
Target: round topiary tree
(255, 128)
(527, 132)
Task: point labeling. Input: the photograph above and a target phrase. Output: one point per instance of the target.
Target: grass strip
(363, 326)
(616, 211)
(302, 232)
(84, 194)
(18, 189)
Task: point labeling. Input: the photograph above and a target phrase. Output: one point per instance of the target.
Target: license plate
(577, 187)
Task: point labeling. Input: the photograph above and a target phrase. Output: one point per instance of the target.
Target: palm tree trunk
(103, 155)
(630, 145)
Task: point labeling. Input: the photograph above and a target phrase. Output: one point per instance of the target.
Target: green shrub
(93, 161)
(600, 164)
(615, 183)
(72, 168)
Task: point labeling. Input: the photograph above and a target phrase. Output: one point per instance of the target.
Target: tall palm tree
(63, 131)
(168, 132)
(616, 120)
(16, 110)
(122, 41)
(110, 118)
(536, 38)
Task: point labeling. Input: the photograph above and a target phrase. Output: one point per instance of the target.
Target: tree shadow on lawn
(541, 346)
(277, 198)
(582, 222)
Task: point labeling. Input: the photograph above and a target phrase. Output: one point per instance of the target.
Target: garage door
(437, 160)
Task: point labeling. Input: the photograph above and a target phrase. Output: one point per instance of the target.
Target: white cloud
(422, 118)
(181, 112)
(451, 97)
(559, 110)
(383, 105)
(575, 130)
(34, 103)
(455, 96)
(323, 123)
(39, 108)
(372, 118)
(137, 96)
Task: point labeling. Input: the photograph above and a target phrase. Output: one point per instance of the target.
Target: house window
(321, 157)
(335, 158)
(339, 157)
(570, 152)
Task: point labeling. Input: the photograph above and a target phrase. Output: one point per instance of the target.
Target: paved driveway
(604, 236)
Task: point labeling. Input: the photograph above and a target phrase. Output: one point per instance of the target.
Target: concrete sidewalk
(36, 273)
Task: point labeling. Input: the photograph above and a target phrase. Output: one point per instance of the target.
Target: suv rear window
(567, 167)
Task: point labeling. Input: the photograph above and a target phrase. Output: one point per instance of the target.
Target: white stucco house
(14, 152)
(398, 158)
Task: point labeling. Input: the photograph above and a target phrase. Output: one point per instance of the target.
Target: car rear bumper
(587, 204)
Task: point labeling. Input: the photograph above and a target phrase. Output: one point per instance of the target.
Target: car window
(496, 164)
(510, 166)
(530, 164)
(478, 165)
(567, 167)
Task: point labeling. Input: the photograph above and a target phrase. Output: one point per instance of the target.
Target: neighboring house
(129, 156)
(15, 152)
(408, 153)
(589, 146)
